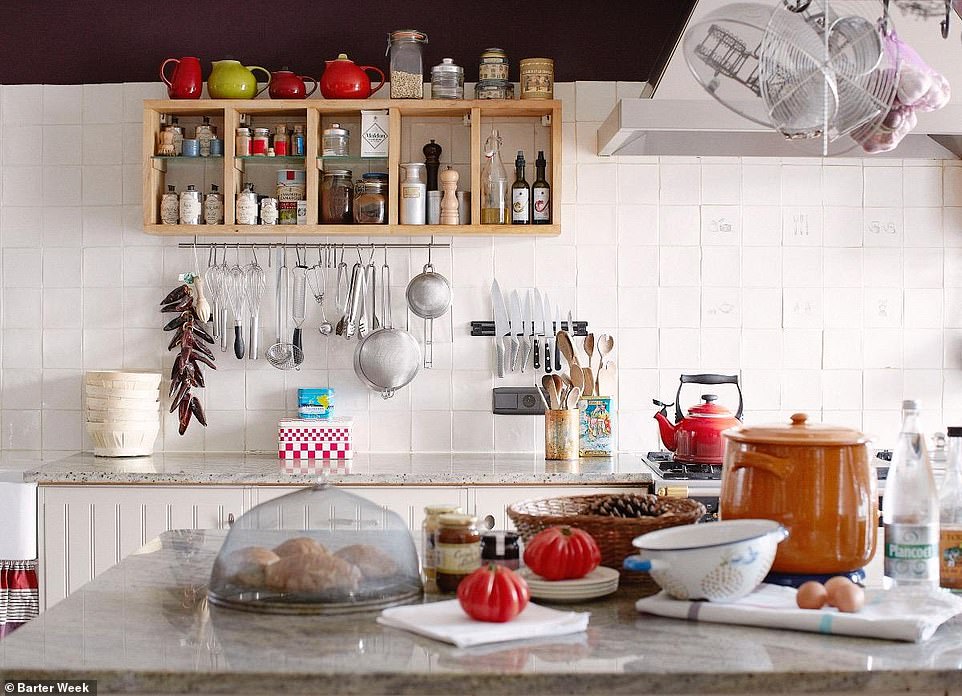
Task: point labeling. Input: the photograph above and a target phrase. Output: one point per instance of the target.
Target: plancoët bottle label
(911, 553)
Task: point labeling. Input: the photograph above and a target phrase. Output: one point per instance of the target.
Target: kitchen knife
(527, 323)
(548, 335)
(557, 328)
(517, 329)
(538, 327)
(501, 326)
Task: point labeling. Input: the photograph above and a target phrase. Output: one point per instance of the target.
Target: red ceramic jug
(287, 85)
(342, 79)
(187, 82)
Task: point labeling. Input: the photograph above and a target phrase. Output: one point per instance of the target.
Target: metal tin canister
(315, 402)
(190, 147)
(594, 425)
(561, 434)
(291, 188)
(434, 207)
(494, 64)
(537, 78)
(464, 207)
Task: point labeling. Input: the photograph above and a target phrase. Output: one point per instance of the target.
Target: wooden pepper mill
(449, 202)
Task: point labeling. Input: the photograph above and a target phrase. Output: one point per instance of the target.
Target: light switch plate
(517, 401)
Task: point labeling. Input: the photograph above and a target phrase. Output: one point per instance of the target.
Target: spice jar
(298, 143)
(447, 80)
(494, 65)
(245, 207)
(337, 195)
(458, 550)
(260, 141)
(429, 531)
(170, 206)
(280, 140)
(335, 141)
(407, 68)
(370, 201)
(537, 78)
(494, 89)
(501, 548)
(191, 206)
(242, 142)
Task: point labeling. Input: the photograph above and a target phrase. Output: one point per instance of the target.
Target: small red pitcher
(187, 81)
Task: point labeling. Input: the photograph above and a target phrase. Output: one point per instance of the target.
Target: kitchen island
(144, 626)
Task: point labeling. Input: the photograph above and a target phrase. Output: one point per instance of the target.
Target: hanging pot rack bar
(311, 245)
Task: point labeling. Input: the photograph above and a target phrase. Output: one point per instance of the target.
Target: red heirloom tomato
(493, 593)
(562, 553)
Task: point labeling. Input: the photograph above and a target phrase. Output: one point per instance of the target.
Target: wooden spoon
(589, 347)
(605, 376)
(559, 388)
(577, 377)
(567, 350)
(606, 344)
(554, 402)
(589, 380)
(573, 397)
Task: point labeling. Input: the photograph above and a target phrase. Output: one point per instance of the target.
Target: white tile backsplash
(829, 285)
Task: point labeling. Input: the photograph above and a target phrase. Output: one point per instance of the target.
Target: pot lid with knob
(799, 432)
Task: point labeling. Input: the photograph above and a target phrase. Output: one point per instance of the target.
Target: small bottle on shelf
(191, 206)
(298, 145)
(242, 142)
(520, 194)
(280, 140)
(204, 134)
(950, 515)
(540, 194)
(170, 206)
(494, 183)
(246, 206)
(214, 206)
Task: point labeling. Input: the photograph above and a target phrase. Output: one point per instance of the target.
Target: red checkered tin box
(314, 439)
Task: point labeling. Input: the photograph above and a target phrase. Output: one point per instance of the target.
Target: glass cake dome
(320, 550)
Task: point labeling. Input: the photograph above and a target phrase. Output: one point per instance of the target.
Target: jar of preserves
(242, 142)
(537, 78)
(337, 196)
(447, 80)
(494, 89)
(501, 548)
(494, 65)
(335, 141)
(370, 201)
(406, 47)
(458, 549)
(429, 531)
(260, 141)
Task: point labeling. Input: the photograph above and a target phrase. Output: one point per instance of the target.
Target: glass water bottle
(495, 202)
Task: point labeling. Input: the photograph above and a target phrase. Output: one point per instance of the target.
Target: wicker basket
(613, 534)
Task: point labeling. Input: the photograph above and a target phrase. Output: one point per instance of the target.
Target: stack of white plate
(122, 412)
(598, 583)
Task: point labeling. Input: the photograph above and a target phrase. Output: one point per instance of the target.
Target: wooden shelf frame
(230, 111)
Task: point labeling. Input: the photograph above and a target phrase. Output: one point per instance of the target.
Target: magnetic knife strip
(486, 328)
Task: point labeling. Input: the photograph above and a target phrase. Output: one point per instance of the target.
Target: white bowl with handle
(717, 561)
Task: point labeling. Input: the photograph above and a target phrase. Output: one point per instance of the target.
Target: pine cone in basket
(626, 505)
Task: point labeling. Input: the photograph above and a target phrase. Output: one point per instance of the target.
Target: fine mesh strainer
(429, 297)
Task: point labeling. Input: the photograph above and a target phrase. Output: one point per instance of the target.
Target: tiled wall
(832, 287)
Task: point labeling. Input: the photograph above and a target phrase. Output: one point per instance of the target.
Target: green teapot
(231, 80)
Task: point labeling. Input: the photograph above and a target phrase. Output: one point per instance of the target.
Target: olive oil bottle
(520, 194)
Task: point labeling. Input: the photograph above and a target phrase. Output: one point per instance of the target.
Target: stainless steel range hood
(680, 118)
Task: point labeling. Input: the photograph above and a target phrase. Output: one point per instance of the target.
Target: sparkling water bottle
(911, 510)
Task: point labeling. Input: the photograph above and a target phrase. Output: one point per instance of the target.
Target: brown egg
(811, 595)
(848, 598)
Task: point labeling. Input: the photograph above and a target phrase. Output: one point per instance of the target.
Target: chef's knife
(517, 329)
(501, 326)
(538, 327)
(557, 328)
(548, 335)
(527, 321)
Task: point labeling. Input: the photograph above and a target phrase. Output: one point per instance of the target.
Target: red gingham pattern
(313, 466)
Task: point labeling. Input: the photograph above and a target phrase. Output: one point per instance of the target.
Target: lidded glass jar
(335, 141)
(458, 548)
(429, 538)
(370, 201)
(337, 196)
(494, 89)
(447, 80)
(406, 48)
(316, 551)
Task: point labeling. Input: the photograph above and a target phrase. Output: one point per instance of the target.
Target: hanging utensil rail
(312, 245)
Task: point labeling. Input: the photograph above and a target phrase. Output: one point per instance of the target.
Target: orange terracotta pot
(815, 480)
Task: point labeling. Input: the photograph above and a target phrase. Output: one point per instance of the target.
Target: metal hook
(254, 254)
(944, 24)
(370, 260)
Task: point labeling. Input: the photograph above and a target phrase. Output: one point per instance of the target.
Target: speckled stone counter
(365, 469)
(144, 627)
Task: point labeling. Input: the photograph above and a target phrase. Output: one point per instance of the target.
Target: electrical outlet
(517, 401)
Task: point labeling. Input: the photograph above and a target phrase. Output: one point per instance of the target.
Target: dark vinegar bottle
(520, 194)
(541, 194)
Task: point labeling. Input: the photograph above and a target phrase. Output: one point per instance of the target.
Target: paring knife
(548, 335)
(538, 327)
(527, 320)
(517, 329)
(501, 326)
(557, 328)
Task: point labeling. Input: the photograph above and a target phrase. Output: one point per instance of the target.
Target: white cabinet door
(87, 529)
(490, 503)
(407, 501)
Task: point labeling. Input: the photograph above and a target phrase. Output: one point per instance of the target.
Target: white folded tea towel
(446, 621)
(887, 614)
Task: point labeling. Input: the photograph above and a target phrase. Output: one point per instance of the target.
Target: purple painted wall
(61, 42)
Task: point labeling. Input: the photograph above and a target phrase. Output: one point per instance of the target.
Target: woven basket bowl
(613, 534)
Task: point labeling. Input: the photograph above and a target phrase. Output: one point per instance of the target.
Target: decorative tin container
(561, 434)
(537, 78)
(315, 403)
(310, 438)
(595, 426)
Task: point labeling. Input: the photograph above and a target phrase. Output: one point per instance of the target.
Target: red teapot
(697, 438)
(343, 79)
(286, 85)
(187, 81)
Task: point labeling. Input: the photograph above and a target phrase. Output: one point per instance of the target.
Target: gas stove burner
(671, 470)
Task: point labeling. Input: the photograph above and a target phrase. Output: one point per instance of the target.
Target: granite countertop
(145, 626)
(363, 470)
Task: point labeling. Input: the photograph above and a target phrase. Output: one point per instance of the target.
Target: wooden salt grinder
(449, 202)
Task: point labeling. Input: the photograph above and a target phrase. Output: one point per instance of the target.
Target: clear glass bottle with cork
(494, 183)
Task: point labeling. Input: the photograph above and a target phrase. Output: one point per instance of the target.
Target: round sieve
(429, 293)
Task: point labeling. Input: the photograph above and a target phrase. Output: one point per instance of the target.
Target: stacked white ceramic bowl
(122, 410)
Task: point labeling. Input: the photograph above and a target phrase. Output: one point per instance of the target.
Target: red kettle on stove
(696, 438)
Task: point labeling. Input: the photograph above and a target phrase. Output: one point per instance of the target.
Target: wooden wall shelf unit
(525, 125)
